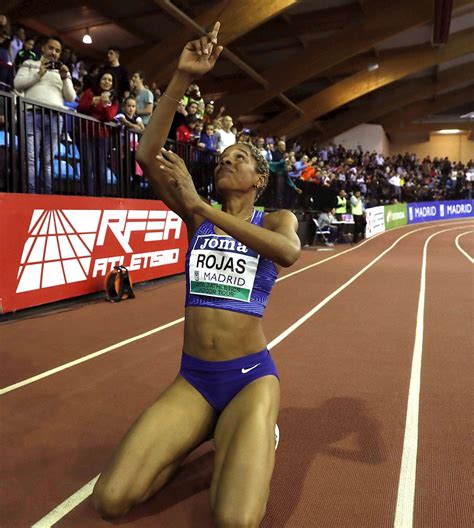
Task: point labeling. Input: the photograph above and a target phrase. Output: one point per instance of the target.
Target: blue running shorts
(219, 381)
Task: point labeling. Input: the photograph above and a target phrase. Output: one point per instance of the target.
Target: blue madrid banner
(428, 211)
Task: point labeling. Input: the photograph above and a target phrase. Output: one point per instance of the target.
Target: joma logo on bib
(220, 266)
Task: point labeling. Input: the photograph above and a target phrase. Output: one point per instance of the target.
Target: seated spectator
(208, 138)
(143, 97)
(27, 53)
(226, 136)
(102, 104)
(326, 221)
(43, 82)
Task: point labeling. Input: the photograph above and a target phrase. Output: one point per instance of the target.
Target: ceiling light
(449, 131)
(373, 66)
(87, 39)
(469, 115)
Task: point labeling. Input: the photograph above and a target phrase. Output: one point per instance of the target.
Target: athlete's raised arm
(197, 58)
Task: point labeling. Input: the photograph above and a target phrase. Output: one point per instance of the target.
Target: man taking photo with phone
(46, 82)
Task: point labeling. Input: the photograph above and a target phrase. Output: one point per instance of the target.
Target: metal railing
(45, 150)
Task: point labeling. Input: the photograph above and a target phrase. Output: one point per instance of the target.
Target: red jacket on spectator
(101, 112)
(184, 134)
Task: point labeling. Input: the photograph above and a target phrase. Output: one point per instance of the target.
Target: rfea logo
(60, 244)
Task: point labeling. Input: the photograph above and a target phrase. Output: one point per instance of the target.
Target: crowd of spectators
(49, 72)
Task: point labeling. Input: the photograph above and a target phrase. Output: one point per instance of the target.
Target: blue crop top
(225, 274)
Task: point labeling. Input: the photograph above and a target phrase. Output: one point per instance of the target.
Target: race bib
(220, 266)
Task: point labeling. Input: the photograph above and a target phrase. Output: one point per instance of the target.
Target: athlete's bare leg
(245, 455)
(153, 449)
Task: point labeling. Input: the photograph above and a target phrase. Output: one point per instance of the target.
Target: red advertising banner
(57, 247)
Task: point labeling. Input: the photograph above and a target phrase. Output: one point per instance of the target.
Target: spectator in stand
(102, 104)
(18, 41)
(244, 136)
(6, 61)
(156, 94)
(358, 213)
(395, 185)
(118, 71)
(134, 124)
(261, 148)
(42, 82)
(192, 109)
(208, 138)
(209, 112)
(27, 53)
(280, 151)
(143, 96)
(66, 58)
(91, 76)
(193, 94)
(190, 132)
(129, 118)
(226, 136)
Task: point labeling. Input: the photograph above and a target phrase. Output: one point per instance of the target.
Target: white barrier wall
(369, 137)
(375, 221)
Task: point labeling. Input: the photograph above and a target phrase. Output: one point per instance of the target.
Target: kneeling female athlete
(228, 384)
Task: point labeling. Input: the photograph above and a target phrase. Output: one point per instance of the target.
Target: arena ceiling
(305, 68)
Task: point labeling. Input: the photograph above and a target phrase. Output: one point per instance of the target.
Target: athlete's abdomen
(218, 335)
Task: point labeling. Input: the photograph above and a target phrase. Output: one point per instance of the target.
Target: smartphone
(55, 65)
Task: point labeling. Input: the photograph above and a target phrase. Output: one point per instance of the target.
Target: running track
(354, 452)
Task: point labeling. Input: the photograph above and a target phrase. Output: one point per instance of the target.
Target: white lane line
(55, 370)
(59, 512)
(68, 505)
(88, 357)
(469, 258)
(406, 485)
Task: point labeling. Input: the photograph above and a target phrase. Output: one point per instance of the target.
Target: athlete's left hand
(173, 166)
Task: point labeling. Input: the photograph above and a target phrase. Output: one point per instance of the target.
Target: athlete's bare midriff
(218, 335)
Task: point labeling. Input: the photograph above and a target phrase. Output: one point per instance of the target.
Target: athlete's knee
(109, 503)
(236, 518)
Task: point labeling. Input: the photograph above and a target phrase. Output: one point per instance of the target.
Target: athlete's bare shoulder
(278, 219)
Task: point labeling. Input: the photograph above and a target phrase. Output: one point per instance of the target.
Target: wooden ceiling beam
(190, 24)
(385, 19)
(237, 18)
(395, 98)
(429, 107)
(408, 61)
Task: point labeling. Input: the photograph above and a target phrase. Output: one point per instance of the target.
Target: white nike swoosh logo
(244, 370)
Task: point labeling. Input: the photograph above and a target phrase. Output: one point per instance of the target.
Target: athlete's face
(236, 171)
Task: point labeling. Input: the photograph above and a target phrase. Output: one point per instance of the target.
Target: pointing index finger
(215, 32)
